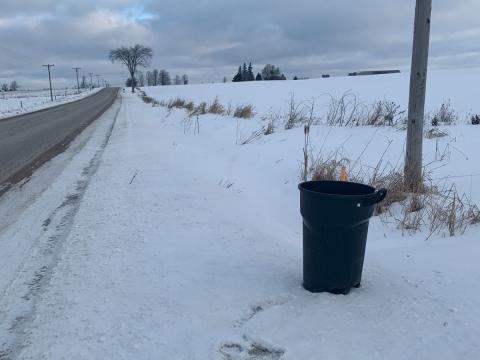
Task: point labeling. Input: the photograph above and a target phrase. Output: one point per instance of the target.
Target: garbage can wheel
(357, 286)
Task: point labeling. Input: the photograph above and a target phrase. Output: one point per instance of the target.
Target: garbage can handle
(375, 198)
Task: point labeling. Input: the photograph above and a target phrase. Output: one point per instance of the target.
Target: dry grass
(435, 132)
(437, 210)
(177, 103)
(257, 134)
(189, 106)
(445, 115)
(325, 170)
(344, 110)
(228, 110)
(243, 112)
(450, 212)
(383, 113)
(348, 110)
(216, 108)
(200, 109)
(295, 115)
(272, 119)
(269, 128)
(146, 99)
(393, 181)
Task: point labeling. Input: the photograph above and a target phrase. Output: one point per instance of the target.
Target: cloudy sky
(208, 39)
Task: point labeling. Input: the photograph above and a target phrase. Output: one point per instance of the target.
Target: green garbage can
(335, 216)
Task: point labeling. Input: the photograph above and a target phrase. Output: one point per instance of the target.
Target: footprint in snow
(251, 350)
(261, 306)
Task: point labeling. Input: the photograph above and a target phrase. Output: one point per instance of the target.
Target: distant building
(325, 76)
(374, 72)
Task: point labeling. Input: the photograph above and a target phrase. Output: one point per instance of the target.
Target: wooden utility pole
(98, 80)
(418, 86)
(78, 84)
(91, 82)
(50, 79)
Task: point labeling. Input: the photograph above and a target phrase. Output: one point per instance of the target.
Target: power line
(78, 85)
(50, 79)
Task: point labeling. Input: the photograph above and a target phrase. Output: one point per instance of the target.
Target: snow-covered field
(18, 102)
(164, 239)
(456, 86)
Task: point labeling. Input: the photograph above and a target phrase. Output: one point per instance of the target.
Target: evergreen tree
(259, 77)
(244, 72)
(250, 76)
(238, 77)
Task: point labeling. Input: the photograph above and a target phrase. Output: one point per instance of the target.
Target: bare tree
(178, 80)
(155, 77)
(185, 79)
(148, 76)
(4, 87)
(83, 84)
(14, 86)
(272, 72)
(141, 79)
(132, 57)
(164, 78)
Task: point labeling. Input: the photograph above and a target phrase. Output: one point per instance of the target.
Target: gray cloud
(208, 39)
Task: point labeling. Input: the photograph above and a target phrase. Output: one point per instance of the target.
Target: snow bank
(19, 102)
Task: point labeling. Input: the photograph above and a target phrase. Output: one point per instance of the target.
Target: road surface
(29, 140)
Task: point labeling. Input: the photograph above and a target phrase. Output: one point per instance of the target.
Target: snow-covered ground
(163, 238)
(456, 86)
(18, 102)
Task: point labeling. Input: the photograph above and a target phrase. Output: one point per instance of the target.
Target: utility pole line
(91, 82)
(98, 80)
(50, 79)
(78, 85)
(418, 86)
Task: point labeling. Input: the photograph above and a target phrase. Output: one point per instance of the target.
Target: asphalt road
(27, 141)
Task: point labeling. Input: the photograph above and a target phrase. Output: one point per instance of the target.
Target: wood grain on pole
(418, 86)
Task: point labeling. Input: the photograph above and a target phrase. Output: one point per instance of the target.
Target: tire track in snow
(33, 279)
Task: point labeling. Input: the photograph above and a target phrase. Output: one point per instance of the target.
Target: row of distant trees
(156, 78)
(162, 77)
(12, 87)
(269, 72)
(140, 56)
